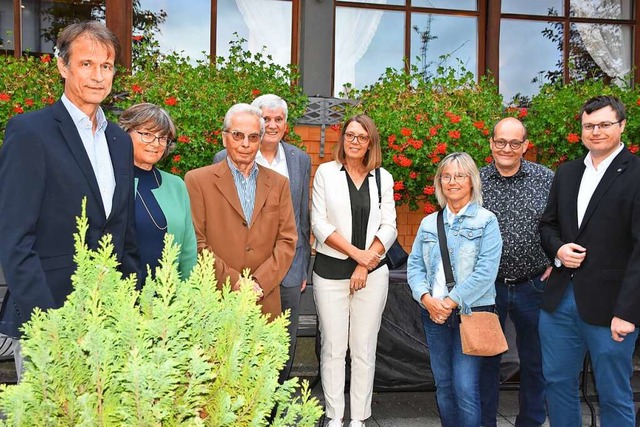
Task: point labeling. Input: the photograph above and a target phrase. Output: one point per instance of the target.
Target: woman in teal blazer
(162, 202)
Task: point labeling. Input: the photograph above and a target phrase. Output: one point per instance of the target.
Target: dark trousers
(290, 300)
(521, 303)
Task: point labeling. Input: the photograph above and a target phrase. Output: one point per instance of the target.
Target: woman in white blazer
(353, 230)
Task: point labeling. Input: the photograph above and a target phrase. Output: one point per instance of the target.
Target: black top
(332, 268)
(151, 224)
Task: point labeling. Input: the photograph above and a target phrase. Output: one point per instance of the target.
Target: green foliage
(196, 95)
(553, 120)
(178, 353)
(421, 121)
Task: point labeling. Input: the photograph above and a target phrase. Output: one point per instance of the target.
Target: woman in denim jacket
(475, 245)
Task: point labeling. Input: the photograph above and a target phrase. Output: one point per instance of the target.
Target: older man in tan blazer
(242, 212)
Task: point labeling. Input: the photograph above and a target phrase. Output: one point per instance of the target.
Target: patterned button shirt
(518, 201)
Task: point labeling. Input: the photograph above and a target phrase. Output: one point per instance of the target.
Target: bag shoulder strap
(378, 185)
(444, 251)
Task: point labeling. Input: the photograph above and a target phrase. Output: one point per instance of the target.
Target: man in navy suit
(50, 160)
(295, 164)
(591, 229)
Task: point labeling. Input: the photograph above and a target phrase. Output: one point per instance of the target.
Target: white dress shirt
(279, 163)
(590, 180)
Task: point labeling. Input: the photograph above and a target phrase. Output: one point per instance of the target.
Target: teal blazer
(173, 199)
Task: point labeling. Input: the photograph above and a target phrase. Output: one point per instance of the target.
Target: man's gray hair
(95, 30)
(242, 109)
(271, 102)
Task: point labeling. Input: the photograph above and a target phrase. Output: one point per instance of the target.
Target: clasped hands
(367, 260)
(255, 287)
(439, 309)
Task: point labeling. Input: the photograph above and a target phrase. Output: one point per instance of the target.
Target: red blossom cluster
(402, 160)
(413, 174)
(18, 109)
(429, 190)
(633, 148)
(136, 88)
(175, 170)
(176, 158)
(397, 197)
(429, 208)
(406, 131)
(28, 102)
(452, 117)
(488, 159)
(433, 131)
(255, 92)
(137, 38)
(48, 100)
(4, 97)
(573, 138)
(421, 117)
(335, 128)
(184, 139)
(170, 101)
(441, 148)
(415, 143)
(454, 134)
(46, 58)
(398, 186)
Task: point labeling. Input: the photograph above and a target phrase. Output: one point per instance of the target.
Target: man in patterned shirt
(516, 191)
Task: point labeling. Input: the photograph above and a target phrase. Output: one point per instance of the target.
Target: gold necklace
(147, 208)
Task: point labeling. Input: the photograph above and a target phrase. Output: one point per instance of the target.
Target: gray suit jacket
(299, 167)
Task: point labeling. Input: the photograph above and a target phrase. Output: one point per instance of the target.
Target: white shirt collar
(80, 119)
(602, 167)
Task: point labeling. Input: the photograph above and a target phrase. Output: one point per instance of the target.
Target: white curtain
(355, 29)
(608, 45)
(269, 23)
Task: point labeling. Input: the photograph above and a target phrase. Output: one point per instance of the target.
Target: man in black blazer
(50, 160)
(591, 229)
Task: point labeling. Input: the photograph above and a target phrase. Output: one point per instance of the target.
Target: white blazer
(331, 208)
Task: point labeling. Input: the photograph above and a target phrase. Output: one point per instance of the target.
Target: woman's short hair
(151, 117)
(468, 166)
(243, 109)
(271, 102)
(373, 158)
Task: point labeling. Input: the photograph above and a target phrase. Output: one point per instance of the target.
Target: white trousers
(353, 321)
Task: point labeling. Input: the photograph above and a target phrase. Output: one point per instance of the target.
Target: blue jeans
(456, 374)
(522, 303)
(565, 339)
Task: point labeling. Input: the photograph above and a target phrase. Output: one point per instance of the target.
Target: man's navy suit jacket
(45, 173)
(607, 283)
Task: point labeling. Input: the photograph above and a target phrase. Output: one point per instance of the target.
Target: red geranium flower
(175, 170)
(28, 102)
(523, 113)
(5, 97)
(452, 117)
(136, 88)
(406, 131)
(488, 159)
(184, 139)
(573, 138)
(415, 143)
(402, 160)
(433, 131)
(18, 109)
(46, 58)
(454, 134)
(48, 100)
(176, 158)
(485, 132)
(397, 196)
(441, 148)
(435, 160)
(137, 38)
(398, 185)
(634, 148)
(335, 128)
(638, 101)
(479, 124)
(170, 101)
(429, 190)
(429, 208)
(391, 139)
(255, 92)
(414, 174)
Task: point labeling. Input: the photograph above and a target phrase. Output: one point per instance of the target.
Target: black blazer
(607, 283)
(44, 174)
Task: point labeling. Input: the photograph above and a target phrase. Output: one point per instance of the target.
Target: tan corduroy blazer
(266, 246)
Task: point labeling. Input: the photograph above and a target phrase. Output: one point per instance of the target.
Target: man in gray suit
(295, 164)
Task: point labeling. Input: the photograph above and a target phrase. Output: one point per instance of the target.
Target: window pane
(435, 36)
(602, 9)
(186, 29)
(270, 36)
(530, 55)
(600, 51)
(537, 7)
(447, 4)
(43, 20)
(391, 2)
(367, 42)
(6, 25)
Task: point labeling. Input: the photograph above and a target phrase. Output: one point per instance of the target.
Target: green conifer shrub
(177, 353)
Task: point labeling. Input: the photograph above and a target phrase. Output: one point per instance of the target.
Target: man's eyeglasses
(601, 126)
(351, 137)
(459, 178)
(239, 136)
(148, 138)
(514, 144)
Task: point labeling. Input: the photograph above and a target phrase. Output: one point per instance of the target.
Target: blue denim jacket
(475, 247)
